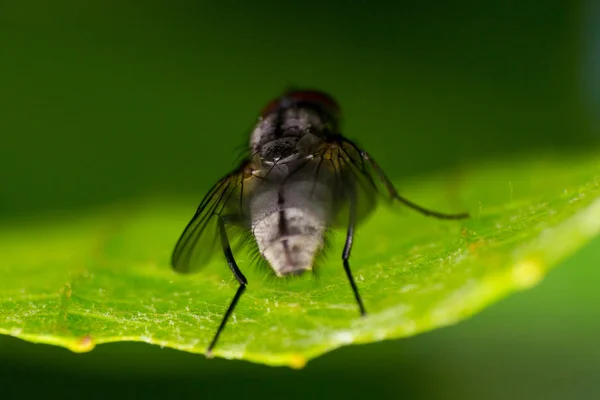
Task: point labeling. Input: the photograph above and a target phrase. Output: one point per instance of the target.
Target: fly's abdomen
(289, 222)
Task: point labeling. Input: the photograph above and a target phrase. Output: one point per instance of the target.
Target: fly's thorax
(288, 223)
(277, 134)
(279, 149)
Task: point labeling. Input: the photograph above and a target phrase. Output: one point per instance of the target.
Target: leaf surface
(104, 276)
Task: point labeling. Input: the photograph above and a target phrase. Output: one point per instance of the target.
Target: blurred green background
(108, 101)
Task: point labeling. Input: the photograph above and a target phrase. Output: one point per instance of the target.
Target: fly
(301, 179)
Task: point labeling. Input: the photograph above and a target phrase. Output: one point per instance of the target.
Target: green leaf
(104, 276)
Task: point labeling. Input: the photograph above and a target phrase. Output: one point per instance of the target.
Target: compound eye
(271, 107)
(322, 99)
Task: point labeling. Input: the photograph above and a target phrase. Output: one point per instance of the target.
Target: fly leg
(238, 276)
(348, 249)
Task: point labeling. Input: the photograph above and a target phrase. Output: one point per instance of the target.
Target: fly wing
(200, 239)
(357, 174)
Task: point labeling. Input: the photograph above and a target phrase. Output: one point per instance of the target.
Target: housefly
(301, 178)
